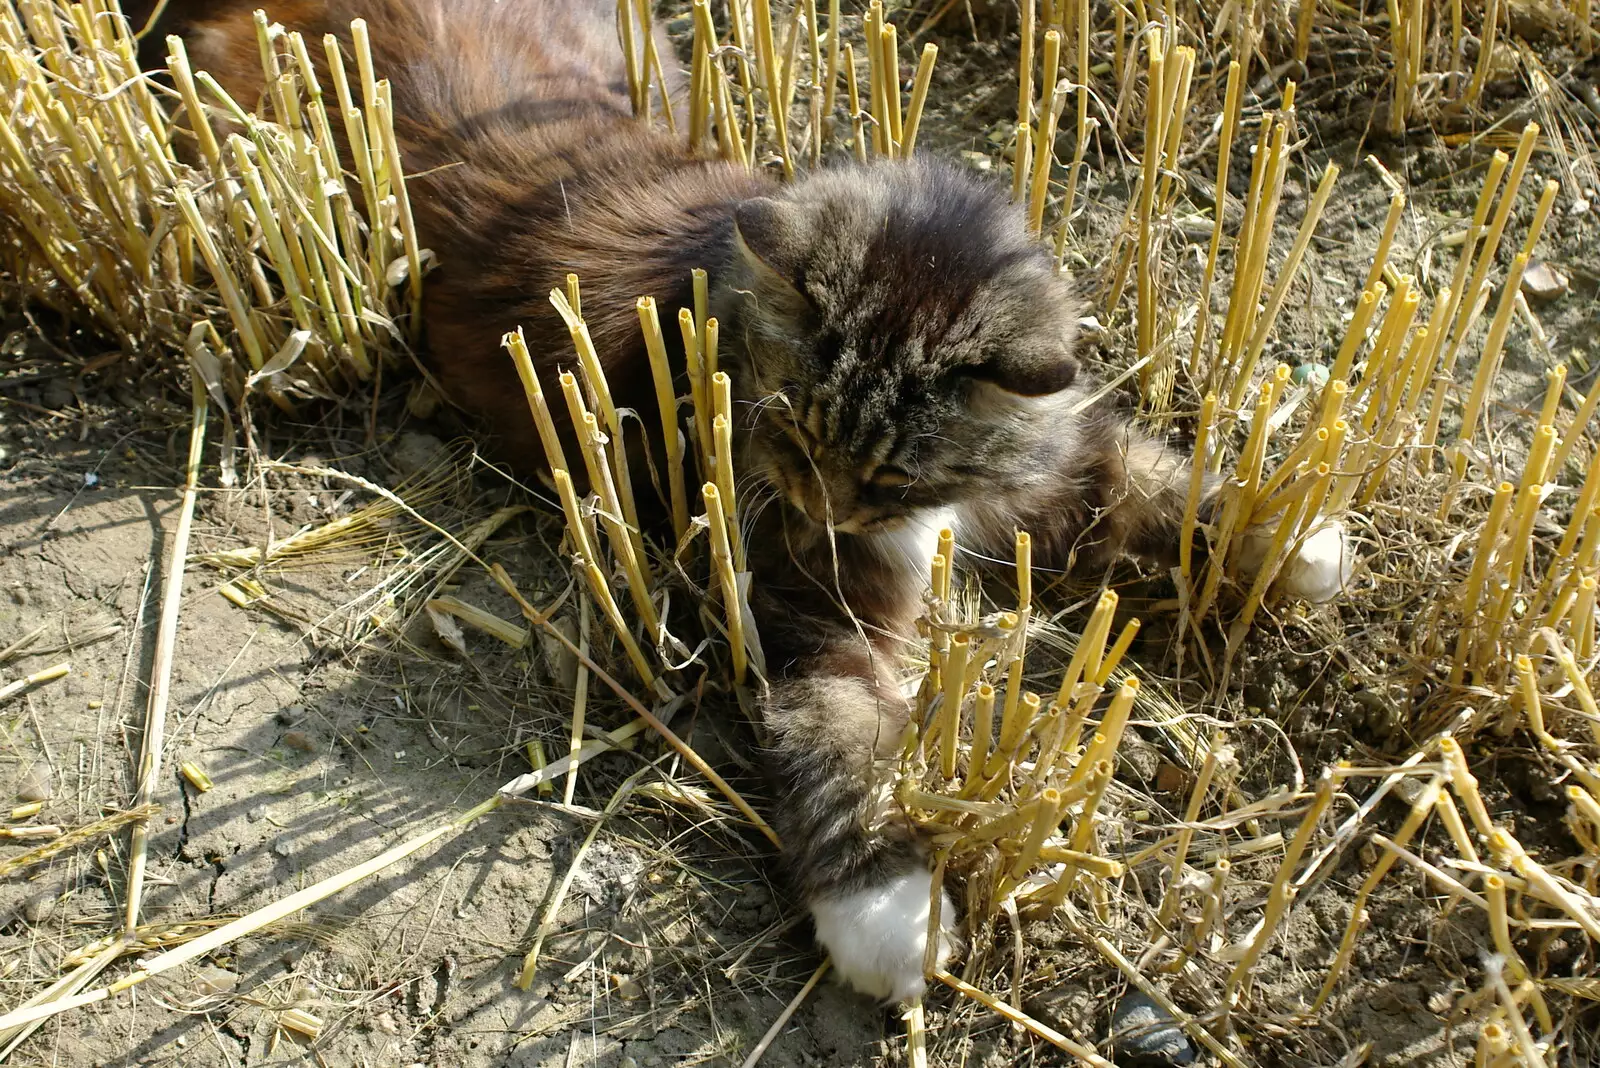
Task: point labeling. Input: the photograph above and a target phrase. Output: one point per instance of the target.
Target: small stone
(628, 989)
(423, 400)
(1139, 757)
(1543, 283)
(19, 595)
(210, 980)
(1310, 374)
(415, 452)
(36, 784)
(386, 1023)
(1170, 778)
(38, 907)
(256, 813)
(299, 740)
(628, 1061)
(283, 848)
(1143, 1034)
(1091, 331)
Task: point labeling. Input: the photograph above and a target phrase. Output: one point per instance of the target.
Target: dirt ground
(332, 726)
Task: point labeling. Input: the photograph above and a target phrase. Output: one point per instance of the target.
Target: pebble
(1310, 374)
(37, 907)
(415, 452)
(1170, 778)
(36, 784)
(423, 400)
(1543, 283)
(299, 740)
(210, 980)
(1142, 1034)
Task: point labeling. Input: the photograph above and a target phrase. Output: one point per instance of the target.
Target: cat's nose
(810, 502)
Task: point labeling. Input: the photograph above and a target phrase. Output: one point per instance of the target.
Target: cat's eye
(802, 439)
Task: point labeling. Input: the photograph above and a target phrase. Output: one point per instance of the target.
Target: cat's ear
(1029, 374)
(771, 237)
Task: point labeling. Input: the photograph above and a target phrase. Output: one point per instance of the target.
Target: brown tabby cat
(901, 350)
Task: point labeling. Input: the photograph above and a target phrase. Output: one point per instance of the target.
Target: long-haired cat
(901, 351)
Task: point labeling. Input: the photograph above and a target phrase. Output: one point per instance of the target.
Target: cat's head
(901, 342)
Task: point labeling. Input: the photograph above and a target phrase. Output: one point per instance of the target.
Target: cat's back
(460, 70)
(525, 162)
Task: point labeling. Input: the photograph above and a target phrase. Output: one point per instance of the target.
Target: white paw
(1319, 571)
(877, 936)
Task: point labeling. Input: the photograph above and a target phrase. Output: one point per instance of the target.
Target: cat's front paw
(878, 935)
(1320, 569)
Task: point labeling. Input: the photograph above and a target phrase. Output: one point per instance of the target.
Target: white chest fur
(910, 547)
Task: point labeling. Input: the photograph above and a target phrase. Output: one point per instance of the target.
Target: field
(1359, 832)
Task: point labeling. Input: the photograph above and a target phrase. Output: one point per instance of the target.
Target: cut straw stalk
(919, 97)
(1261, 209)
(594, 381)
(1469, 287)
(509, 633)
(1154, 141)
(1085, 1054)
(36, 679)
(1543, 885)
(1230, 120)
(666, 409)
(1280, 289)
(722, 562)
(1239, 495)
(624, 546)
(1197, 474)
(154, 737)
(1042, 153)
(772, 80)
(587, 563)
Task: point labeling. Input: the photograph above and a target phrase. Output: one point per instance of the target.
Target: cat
(902, 353)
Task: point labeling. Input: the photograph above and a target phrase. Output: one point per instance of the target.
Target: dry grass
(1480, 531)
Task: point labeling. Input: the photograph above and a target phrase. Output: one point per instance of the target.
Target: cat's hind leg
(1125, 492)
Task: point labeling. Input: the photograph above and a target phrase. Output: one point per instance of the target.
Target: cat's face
(904, 343)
